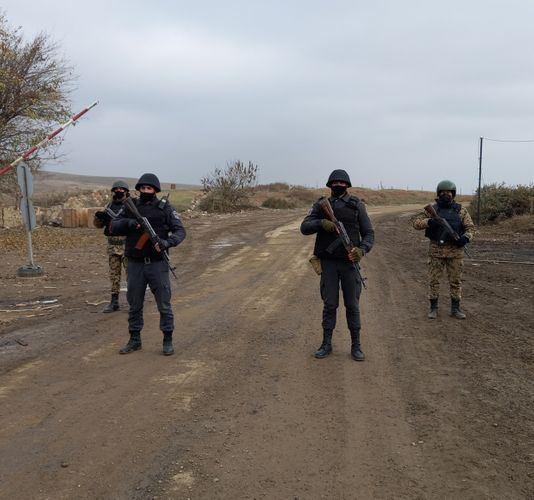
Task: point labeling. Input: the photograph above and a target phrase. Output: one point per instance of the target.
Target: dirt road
(243, 410)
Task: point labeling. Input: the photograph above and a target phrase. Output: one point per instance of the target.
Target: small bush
(499, 202)
(274, 202)
(228, 190)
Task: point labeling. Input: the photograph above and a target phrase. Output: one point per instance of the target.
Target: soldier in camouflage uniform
(117, 260)
(444, 252)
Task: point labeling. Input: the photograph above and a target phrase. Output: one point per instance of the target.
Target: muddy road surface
(243, 410)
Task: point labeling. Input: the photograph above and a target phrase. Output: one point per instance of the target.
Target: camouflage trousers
(454, 266)
(116, 262)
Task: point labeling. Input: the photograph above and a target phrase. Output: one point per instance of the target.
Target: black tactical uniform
(146, 265)
(335, 264)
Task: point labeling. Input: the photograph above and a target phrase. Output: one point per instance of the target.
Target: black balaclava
(146, 197)
(118, 196)
(444, 200)
(338, 191)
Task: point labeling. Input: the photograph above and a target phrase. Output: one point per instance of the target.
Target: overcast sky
(394, 92)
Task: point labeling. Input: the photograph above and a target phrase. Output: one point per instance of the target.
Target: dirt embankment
(439, 410)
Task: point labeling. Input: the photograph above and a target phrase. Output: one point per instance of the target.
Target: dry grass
(518, 224)
(297, 196)
(181, 199)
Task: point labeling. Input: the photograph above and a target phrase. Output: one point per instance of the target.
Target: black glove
(432, 223)
(462, 241)
(164, 244)
(102, 216)
(132, 224)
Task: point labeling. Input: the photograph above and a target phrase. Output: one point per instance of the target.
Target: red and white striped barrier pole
(47, 139)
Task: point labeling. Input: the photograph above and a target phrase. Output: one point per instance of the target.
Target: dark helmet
(120, 184)
(148, 180)
(339, 175)
(446, 186)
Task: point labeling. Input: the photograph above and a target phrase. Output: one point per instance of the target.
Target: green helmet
(446, 186)
(119, 183)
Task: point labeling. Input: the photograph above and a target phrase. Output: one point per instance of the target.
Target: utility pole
(479, 180)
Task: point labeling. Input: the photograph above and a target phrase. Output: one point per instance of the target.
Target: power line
(508, 140)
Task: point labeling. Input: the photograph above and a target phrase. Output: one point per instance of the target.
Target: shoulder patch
(175, 214)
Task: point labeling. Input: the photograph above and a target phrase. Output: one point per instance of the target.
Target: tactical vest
(116, 207)
(452, 216)
(328, 245)
(157, 214)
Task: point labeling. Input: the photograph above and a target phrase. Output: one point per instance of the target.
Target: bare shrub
(228, 190)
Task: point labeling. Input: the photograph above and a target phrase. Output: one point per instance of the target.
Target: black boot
(433, 313)
(168, 350)
(326, 346)
(134, 344)
(113, 305)
(455, 309)
(355, 348)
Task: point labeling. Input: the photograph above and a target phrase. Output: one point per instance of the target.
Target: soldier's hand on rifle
(433, 223)
(356, 254)
(133, 224)
(161, 245)
(101, 216)
(328, 226)
(462, 241)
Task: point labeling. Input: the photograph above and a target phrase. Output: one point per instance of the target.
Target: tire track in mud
(99, 414)
(243, 409)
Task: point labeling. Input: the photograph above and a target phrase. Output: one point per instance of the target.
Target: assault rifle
(447, 229)
(342, 232)
(148, 233)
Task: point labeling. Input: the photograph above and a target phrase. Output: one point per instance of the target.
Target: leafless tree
(35, 84)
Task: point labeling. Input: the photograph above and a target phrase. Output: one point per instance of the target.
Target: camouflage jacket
(448, 250)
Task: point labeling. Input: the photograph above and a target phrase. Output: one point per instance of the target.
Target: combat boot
(433, 313)
(168, 350)
(113, 304)
(455, 309)
(326, 346)
(355, 348)
(134, 344)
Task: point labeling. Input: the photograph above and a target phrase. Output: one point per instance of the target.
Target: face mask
(444, 199)
(145, 197)
(118, 196)
(338, 191)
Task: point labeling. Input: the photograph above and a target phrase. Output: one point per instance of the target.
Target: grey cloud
(396, 92)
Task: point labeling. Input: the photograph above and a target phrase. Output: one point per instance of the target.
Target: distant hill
(46, 181)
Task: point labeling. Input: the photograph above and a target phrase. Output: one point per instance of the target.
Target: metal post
(479, 180)
(30, 248)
